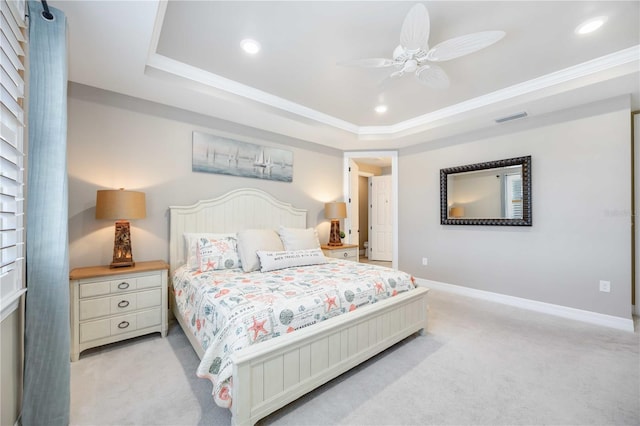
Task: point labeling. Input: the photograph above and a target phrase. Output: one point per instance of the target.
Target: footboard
(270, 375)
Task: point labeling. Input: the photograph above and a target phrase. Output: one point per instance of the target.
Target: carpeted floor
(480, 363)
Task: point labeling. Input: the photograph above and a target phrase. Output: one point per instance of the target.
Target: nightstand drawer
(100, 329)
(344, 254)
(95, 308)
(148, 282)
(93, 330)
(104, 287)
(119, 286)
(149, 318)
(93, 289)
(123, 324)
(135, 321)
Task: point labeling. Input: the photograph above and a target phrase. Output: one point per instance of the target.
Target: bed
(271, 374)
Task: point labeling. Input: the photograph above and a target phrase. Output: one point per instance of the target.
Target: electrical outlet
(425, 261)
(605, 286)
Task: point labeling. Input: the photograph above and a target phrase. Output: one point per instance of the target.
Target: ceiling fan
(413, 53)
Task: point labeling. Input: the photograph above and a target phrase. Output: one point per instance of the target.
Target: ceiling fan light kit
(414, 56)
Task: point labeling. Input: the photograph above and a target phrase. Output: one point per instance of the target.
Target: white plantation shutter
(12, 249)
(514, 196)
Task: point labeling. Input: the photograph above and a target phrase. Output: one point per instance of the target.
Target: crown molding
(584, 69)
(588, 68)
(206, 78)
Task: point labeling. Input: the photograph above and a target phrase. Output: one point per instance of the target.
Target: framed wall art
(216, 154)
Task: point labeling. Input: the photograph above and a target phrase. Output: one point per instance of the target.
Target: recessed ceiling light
(250, 46)
(590, 25)
(381, 109)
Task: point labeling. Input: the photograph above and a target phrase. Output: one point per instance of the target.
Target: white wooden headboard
(234, 211)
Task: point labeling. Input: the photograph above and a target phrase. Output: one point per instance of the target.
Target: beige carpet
(480, 363)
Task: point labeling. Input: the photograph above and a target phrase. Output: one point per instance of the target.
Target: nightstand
(112, 304)
(345, 251)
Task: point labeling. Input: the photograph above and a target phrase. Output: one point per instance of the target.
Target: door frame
(354, 155)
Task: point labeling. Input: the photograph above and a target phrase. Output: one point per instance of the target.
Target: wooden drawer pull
(346, 254)
(123, 324)
(123, 285)
(123, 304)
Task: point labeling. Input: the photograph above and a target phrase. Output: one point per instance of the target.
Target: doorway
(359, 167)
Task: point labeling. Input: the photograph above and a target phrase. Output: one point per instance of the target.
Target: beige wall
(578, 237)
(581, 195)
(117, 141)
(11, 359)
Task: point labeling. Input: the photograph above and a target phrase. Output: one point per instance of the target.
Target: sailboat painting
(215, 154)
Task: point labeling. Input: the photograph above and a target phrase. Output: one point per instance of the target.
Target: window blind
(514, 196)
(12, 59)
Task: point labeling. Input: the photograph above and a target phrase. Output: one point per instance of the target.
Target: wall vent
(511, 117)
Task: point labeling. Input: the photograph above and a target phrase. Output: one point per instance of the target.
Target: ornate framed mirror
(491, 193)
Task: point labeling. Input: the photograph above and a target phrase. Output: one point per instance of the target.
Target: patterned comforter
(228, 310)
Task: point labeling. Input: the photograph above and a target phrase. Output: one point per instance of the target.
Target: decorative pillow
(272, 260)
(217, 254)
(252, 240)
(299, 239)
(191, 245)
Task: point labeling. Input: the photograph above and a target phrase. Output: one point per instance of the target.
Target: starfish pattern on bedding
(257, 327)
(330, 301)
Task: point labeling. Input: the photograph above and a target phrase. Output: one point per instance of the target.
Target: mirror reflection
(491, 193)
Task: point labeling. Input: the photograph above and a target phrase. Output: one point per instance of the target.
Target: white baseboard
(533, 305)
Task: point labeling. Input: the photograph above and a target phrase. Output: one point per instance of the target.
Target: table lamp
(335, 211)
(456, 212)
(121, 205)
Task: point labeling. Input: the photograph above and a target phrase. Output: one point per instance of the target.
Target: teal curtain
(46, 371)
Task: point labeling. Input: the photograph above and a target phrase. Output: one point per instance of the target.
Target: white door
(353, 215)
(381, 232)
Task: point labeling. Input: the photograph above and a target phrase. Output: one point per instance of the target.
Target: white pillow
(299, 238)
(272, 260)
(191, 246)
(217, 254)
(252, 240)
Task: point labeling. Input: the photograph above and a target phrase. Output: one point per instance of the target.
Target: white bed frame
(271, 374)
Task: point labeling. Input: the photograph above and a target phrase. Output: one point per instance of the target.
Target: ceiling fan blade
(463, 45)
(415, 28)
(368, 63)
(432, 76)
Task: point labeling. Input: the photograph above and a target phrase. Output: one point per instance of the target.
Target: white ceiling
(187, 54)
